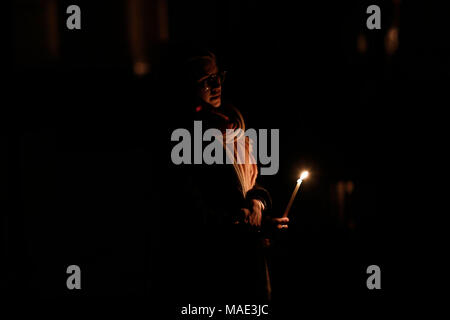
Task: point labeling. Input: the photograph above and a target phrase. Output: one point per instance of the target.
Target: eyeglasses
(212, 80)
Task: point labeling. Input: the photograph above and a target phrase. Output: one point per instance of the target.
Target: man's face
(210, 84)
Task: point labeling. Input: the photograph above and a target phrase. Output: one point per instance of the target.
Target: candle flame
(304, 175)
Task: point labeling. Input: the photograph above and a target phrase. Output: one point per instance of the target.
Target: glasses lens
(213, 80)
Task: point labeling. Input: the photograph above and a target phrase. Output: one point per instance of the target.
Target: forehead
(209, 66)
(203, 66)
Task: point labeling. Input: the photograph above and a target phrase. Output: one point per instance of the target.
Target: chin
(216, 104)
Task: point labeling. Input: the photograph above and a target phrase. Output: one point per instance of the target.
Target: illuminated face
(210, 84)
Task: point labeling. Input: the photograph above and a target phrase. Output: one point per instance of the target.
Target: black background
(78, 164)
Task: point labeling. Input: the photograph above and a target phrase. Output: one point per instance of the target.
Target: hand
(253, 215)
(271, 224)
(280, 223)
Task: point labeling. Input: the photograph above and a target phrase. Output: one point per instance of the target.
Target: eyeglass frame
(205, 84)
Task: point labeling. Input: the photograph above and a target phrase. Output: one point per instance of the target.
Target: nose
(217, 83)
(216, 90)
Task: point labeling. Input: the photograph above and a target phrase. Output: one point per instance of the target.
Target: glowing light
(141, 68)
(303, 176)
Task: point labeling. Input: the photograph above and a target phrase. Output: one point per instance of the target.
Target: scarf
(237, 146)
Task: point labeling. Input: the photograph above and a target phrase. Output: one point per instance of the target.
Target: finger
(283, 220)
(246, 213)
(257, 216)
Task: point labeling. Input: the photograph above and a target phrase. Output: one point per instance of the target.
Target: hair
(177, 74)
(197, 61)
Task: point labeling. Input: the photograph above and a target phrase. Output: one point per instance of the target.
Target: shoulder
(235, 115)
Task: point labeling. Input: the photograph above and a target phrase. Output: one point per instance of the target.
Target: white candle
(304, 175)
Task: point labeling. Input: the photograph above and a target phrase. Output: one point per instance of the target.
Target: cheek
(204, 95)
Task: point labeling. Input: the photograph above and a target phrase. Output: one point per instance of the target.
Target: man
(216, 212)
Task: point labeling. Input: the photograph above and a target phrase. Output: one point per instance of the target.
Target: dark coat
(206, 256)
